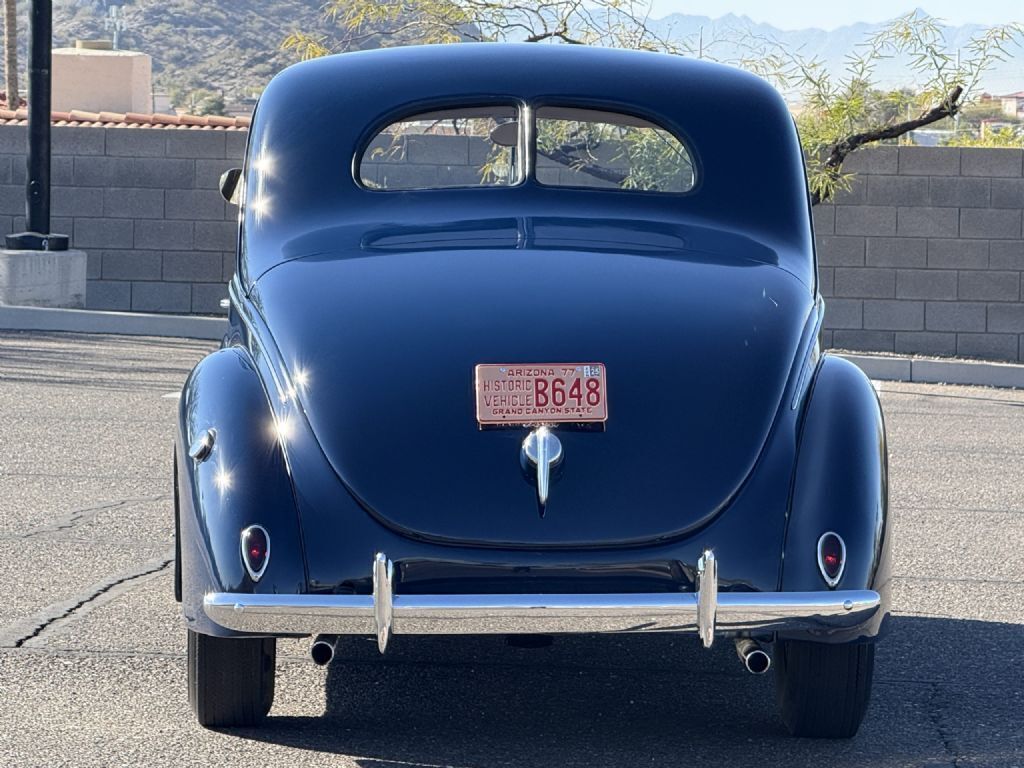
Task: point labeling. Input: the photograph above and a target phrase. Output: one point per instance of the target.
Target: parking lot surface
(92, 665)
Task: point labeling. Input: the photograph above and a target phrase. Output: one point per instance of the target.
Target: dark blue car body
(357, 317)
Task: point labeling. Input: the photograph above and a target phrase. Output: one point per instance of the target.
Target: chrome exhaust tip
(322, 650)
(754, 657)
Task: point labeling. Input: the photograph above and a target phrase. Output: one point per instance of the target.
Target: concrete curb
(937, 371)
(125, 323)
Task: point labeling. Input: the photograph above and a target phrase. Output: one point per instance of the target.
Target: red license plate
(541, 393)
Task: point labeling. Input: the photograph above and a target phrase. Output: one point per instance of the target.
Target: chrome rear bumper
(705, 612)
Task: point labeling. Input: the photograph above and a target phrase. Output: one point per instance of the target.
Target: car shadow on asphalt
(944, 688)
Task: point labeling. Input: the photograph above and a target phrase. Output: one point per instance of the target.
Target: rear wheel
(823, 690)
(230, 680)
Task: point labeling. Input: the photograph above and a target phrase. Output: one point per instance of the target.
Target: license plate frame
(516, 394)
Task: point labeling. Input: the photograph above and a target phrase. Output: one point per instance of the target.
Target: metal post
(39, 118)
(37, 204)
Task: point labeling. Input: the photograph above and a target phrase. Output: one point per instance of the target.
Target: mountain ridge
(834, 46)
(236, 49)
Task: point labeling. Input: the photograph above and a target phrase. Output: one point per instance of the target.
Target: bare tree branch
(561, 34)
(839, 151)
(563, 156)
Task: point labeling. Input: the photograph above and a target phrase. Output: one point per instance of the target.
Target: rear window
(485, 147)
(588, 148)
(448, 148)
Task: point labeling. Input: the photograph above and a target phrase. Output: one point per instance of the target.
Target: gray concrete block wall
(143, 203)
(925, 254)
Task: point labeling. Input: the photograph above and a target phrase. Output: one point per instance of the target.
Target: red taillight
(255, 550)
(831, 557)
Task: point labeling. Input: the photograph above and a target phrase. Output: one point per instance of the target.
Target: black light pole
(37, 203)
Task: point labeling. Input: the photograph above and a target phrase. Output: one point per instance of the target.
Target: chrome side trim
(842, 559)
(707, 612)
(383, 599)
(707, 597)
(809, 356)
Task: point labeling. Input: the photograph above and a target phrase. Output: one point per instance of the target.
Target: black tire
(823, 690)
(230, 680)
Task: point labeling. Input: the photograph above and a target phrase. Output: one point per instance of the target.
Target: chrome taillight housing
(831, 557)
(255, 543)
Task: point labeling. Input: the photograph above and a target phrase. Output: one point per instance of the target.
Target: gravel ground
(92, 668)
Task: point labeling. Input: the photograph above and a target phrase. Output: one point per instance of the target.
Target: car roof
(315, 118)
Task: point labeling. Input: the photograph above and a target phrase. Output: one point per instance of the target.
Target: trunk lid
(698, 350)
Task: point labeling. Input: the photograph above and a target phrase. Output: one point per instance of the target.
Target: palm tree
(11, 52)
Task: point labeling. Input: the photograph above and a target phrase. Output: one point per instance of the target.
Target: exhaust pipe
(322, 650)
(754, 657)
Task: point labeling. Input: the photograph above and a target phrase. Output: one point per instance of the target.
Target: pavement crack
(75, 517)
(935, 716)
(27, 630)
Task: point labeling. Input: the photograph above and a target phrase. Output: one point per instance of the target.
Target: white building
(1013, 105)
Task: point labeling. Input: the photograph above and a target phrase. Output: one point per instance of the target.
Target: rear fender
(245, 480)
(840, 485)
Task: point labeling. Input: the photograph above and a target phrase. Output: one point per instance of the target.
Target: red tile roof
(130, 120)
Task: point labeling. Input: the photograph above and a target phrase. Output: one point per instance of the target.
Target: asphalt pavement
(92, 666)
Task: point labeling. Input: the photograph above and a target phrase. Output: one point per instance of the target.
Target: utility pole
(37, 192)
(115, 23)
(956, 117)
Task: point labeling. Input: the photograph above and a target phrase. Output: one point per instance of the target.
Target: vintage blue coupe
(524, 340)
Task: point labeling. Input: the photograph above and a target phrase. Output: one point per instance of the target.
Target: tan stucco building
(102, 80)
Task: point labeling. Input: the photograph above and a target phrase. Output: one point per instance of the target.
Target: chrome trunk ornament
(544, 451)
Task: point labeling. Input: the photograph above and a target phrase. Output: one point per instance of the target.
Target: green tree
(839, 114)
(1001, 137)
(209, 103)
(197, 101)
(386, 23)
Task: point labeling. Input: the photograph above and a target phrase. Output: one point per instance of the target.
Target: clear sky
(799, 14)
